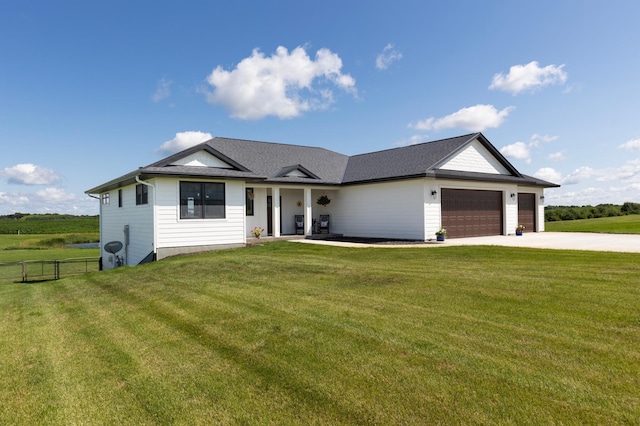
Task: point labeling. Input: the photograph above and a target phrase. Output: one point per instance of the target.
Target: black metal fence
(42, 270)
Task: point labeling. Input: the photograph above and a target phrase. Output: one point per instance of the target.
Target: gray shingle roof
(268, 162)
(398, 163)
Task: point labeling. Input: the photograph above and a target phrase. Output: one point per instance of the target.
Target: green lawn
(629, 224)
(287, 333)
(21, 248)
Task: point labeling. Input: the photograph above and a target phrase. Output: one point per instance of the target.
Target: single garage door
(471, 213)
(527, 211)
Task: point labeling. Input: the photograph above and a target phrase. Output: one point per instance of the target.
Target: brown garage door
(471, 213)
(527, 211)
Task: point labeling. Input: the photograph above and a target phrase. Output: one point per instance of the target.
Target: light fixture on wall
(434, 194)
(542, 198)
(513, 195)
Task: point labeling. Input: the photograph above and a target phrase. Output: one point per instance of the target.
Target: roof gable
(202, 159)
(474, 157)
(296, 171)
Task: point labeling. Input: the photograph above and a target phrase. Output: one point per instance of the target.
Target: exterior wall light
(513, 195)
(434, 194)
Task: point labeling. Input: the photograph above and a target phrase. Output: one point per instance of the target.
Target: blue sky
(91, 90)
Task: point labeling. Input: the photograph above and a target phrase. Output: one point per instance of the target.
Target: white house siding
(197, 234)
(432, 209)
(140, 220)
(475, 158)
(381, 210)
(259, 217)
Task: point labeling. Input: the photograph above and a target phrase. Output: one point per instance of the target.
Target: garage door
(471, 213)
(527, 211)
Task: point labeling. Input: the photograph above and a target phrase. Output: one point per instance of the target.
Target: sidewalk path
(548, 240)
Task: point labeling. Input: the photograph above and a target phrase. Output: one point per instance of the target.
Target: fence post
(24, 273)
(56, 270)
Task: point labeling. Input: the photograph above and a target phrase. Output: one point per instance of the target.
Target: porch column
(276, 211)
(308, 212)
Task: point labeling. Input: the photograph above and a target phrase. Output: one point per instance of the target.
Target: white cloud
(281, 85)
(628, 172)
(535, 139)
(163, 90)
(30, 174)
(578, 175)
(54, 195)
(522, 150)
(476, 119)
(548, 174)
(388, 56)
(551, 175)
(557, 156)
(518, 151)
(415, 139)
(183, 140)
(630, 145)
(48, 200)
(528, 78)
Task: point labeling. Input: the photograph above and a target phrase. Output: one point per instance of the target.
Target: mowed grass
(629, 224)
(286, 333)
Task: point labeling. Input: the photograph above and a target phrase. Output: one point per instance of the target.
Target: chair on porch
(299, 219)
(324, 223)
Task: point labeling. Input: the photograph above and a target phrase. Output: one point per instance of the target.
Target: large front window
(202, 200)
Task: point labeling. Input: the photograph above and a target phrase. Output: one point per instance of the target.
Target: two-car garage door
(471, 213)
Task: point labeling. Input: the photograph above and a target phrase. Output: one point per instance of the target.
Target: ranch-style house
(212, 195)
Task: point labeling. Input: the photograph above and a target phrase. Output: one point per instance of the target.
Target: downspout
(100, 227)
(155, 226)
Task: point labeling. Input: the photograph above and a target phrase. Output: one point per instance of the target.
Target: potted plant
(323, 200)
(519, 229)
(257, 232)
(440, 234)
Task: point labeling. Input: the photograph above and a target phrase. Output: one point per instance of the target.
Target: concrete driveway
(544, 240)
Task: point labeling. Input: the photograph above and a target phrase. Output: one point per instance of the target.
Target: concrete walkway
(545, 240)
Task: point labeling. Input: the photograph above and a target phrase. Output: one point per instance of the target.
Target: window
(105, 198)
(119, 197)
(202, 200)
(249, 201)
(142, 194)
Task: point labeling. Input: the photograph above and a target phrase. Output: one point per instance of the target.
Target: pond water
(84, 245)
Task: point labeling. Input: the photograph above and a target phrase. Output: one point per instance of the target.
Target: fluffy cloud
(183, 140)
(281, 85)
(476, 119)
(528, 78)
(578, 175)
(388, 56)
(30, 174)
(54, 195)
(415, 139)
(163, 90)
(518, 151)
(630, 145)
(522, 150)
(48, 200)
(556, 156)
(548, 174)
(628, 172)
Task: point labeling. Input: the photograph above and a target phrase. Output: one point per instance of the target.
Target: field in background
(285, 333)
(24, 223)
(629, 224)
